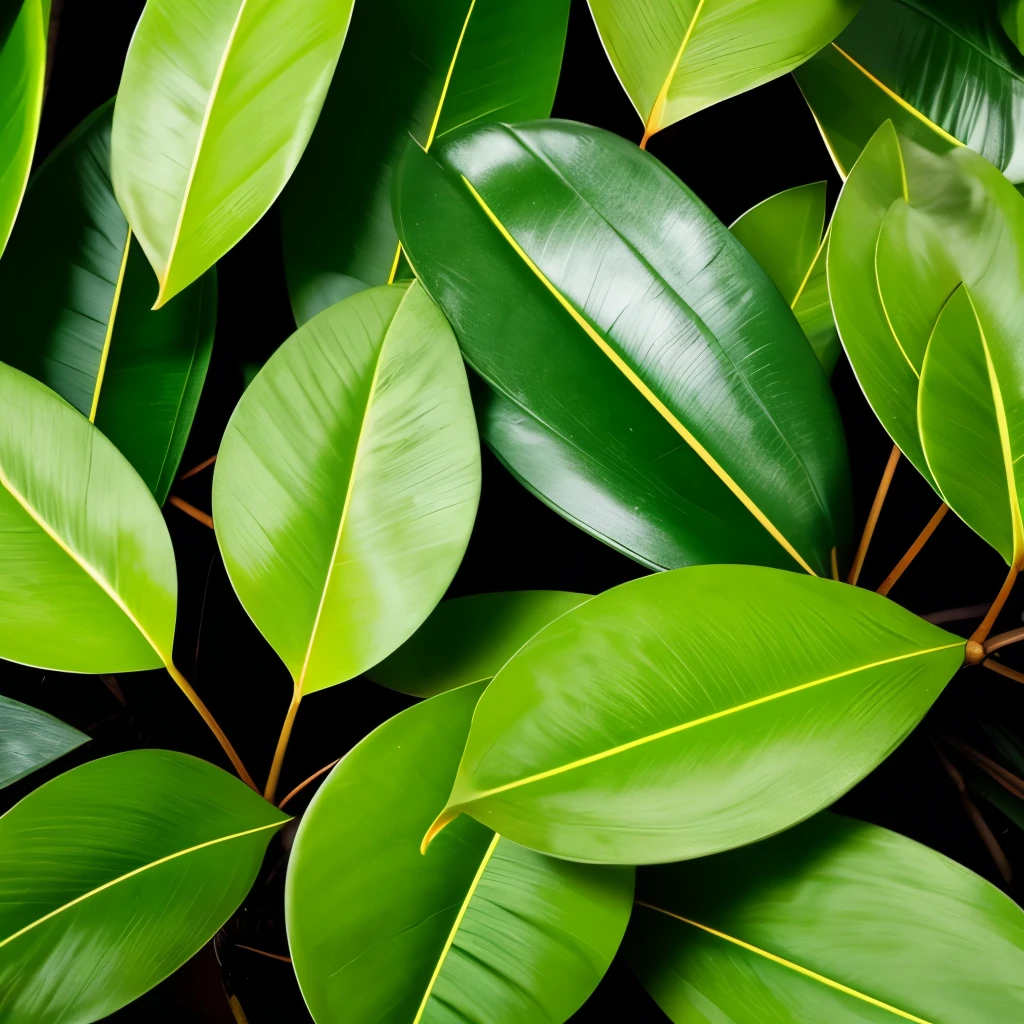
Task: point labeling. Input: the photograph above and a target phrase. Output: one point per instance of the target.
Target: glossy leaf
(942, 71)
(693, 711)
(347, 483)
(117, 872)
(468, 639)
(650, 383)
(480, 929)
(834, 921)
(30, 738)
(784, 233)
(22, 69)
(85, 328)
(217, 100)
(1011, 15)
(675, 57)
(419, 70)
(87, 568)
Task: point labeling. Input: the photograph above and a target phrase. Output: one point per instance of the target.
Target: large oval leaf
(87, 568)
(942, 71)
(418, 69)
(481, 929)
(76, 293)
(114, 875)
(651, 383)
(30, 738)
(675, 57)
(694, 711)
(834, 921)
(217, 101)
(468, 639)
(347, 483)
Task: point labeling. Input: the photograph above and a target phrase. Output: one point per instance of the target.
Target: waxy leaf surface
(30, 738)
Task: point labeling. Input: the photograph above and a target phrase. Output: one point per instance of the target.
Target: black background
(733, 156)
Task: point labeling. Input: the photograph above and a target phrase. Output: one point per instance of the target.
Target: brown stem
(263, 952)
(981, 633)
(914, 550)
(110, 682)
(993, 643)
(1003, 670)
(191, 510)
(1010, 782)
(282, 746)
(876, 509)
(302, 785)
(236, 1010)
(971, 611)
(198, 469)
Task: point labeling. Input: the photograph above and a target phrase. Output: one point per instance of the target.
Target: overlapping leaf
(30, 738)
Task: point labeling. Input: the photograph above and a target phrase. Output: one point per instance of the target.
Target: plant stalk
(876, 509)
(191, 510)
(993, 643)
(198, 469)
(979, 636)
(914, 550)
(302, 785)
(282, 746)
(1003, 670)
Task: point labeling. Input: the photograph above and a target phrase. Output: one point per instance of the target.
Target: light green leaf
(693, 711)
(30, 738)
(1011, 16)
(117, 872)
(419, 69)
(833, 921)
(480, 929)
(217, 100)
(469, 638)
(347, 483)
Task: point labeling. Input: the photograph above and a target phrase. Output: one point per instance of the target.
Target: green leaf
(784, 233)
(942, 71)
(651, 384)
(693, 711)
(347, 483)
(30, 738)
(22, 69)
(217, 100)
(1011, 16)
(87, 568)
(468, 639)
(480, 929)
(419, 70)
(136, 374)
(117, 872)
(834, 921)
(675, 57)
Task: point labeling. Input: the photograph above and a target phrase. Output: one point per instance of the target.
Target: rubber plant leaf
(786, 235)
(30, 739)
(347, 483)
(942, 71)
(419, 70)
(467, 639)
(1011, 16)
(626, 338)
(675, 57)
(22, 70)
(88, 576)
(85, 327)
(834, 921)
(217, 101)
(693, 711)
(380, 934)
(115, 874)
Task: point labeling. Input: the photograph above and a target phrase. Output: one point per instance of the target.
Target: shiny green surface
(675, 57)
(30, 738)
(849, 924)
(115, 873)
(643, 363)
(419, 69)
(217, 101)
(693, 711)
(784, 233)
(478, 929)
(942, 70)
(1011, 16)
(87, 574)
(347, 483)
(468, 639)
(85, 328)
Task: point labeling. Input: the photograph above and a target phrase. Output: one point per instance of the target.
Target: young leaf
(469, 638)
(217, 101)
(117, 872)
(347, 483)
(76, 293)
(480, 929)
(419, 70)
(30, 738)
(675, 57)
(693, 711)
(629, 340)
(834, 921)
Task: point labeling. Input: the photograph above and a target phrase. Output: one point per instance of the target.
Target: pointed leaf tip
(446, 817)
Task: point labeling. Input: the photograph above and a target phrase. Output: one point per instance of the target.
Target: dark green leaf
(30, 739)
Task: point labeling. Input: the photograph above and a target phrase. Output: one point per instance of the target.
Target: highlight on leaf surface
(30, 739)
(625, 338)
(481, 928)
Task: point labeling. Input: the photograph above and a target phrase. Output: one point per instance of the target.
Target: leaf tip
(446, 817)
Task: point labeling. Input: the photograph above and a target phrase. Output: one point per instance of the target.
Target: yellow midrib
(108, 336)
(652, 123)
(813, 975)
(810, 270)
